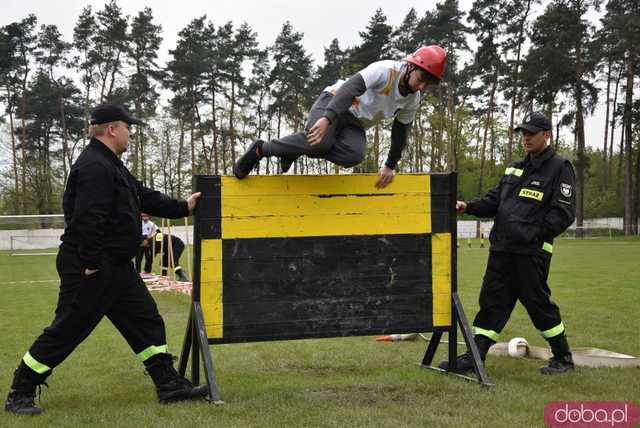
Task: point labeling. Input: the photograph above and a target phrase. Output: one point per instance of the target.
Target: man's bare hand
(317, 131)
(461, 206)
(385, 177)
(192, 201)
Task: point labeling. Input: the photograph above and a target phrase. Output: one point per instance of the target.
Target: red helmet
(429, 58)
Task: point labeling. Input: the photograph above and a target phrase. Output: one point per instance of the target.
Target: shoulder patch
(566, 190)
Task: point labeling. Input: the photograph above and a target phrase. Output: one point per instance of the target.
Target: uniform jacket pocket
(522, 230)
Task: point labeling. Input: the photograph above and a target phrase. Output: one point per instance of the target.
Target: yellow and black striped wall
(293, 257)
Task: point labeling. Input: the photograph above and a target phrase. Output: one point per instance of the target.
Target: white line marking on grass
(34, 254)
(29, 282)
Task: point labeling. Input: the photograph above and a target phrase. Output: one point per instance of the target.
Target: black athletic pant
(177, 246)
(145, 252)
(344, 144)
(115, 291)
(512, 277)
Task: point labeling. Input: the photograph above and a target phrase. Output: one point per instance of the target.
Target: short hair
(101, 129)
(98, 130)
(430, 78)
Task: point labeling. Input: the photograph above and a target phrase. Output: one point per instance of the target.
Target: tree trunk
(267, 169)
(23, 169)
(636, 193)
(103, 85)
(516, 76)
(214, 131)
(605, 174)
(452, 161)
(194, 170)
(65, 146)
(492, 146)
(620, 162)
(434, 145)
(232, 130)
(180, 150)
(14, 154)
(613, 125)
(581, 163)
(486, 131)
(376, 145)
(205, 157)
(113, 75)
(628, 159)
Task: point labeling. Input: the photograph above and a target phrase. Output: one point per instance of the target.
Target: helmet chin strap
(409, 68)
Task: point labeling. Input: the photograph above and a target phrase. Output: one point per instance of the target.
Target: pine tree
(110, 47)
(185, 77)
(85, 60)
(145, 41)
(516, 14)
(623, 20)
(8, 87)
(51, 54)
(444, 27)
(242, 49)
(21, 42)
(403, 38)
(289, 78)
(488, 63)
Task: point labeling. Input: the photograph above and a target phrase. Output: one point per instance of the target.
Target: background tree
(86, 57)
(143, 53)
(109, 48)
(289, 79)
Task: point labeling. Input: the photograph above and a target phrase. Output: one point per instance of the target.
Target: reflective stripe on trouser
(512, 277)
(114, 291)
(553, 332)
(344, 143)
(151, 351)
(493, 335)
(34, 364)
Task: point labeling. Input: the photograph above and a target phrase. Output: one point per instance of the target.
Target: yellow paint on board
(211, 288)
(324, 206)
(441, 279)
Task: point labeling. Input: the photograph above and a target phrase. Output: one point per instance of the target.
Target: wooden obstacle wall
(294, 257)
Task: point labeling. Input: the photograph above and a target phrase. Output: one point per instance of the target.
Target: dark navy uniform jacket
(102, 203)
(532, 204)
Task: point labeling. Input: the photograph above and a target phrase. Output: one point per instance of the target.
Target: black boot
(23, 391)
(248, 160)
(464, 363)
(285, 164)
(181, 275)
(170, 385)
(562, 361)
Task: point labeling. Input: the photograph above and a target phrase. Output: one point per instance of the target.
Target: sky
(319, 21)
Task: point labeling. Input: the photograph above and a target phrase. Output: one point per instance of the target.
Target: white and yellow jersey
(148, 229)
(382, 100)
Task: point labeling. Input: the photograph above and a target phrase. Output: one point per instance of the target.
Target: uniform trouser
(512, 277)
(115, 291)
(343, 144)
(177, 247)
(148, 258)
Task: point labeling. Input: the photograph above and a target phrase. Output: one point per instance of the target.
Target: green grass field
(336, 382)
